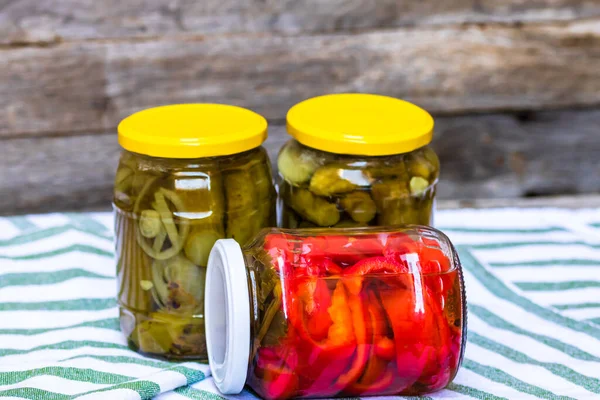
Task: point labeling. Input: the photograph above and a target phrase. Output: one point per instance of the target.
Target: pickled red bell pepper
(377, 376)
(324, 357)
(273, 368)
(362, 319)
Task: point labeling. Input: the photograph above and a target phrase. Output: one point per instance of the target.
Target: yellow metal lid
(363, 124)
(192, 131)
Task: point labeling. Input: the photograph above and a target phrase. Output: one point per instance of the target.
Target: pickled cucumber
(423, 163)
(163, 333)
(432, 159)
(296, 164)
(250, 202)
(392, 169)
(306, 224)
(418, 185)
(330, 180)
(359, 205)
(265, 195)
(313, 208)
(178, 285)
(394, 203)
(348, 223)
(383, 190)
(199, 244)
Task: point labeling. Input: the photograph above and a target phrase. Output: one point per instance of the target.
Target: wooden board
(567, 201)
(89, 86)
(528, 155)
(496, 155)
(50, 21)
(61, 173)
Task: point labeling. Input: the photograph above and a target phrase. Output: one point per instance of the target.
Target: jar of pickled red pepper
(336, 312)
(357, 160)
(189, 175)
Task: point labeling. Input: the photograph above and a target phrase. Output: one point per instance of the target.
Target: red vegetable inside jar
(330, 313)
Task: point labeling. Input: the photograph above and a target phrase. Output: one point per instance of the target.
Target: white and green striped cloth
(533, 286)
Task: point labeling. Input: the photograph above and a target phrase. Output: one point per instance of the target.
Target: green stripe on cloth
(83, 248)
(197, 394)
(472, 392)
(497, 322)
(508, 245)
(124, 360)
(551, 286)
(504, 378)
(87, 223)
(595, 321)
(71, 373)
(461, 229)
(34, 394)
(146, 389)
(66, 345)
(499, 289)
(21, 222)
(575, 306)
(108, 323)
(63, 305)
(576, 262)
(31, 237)
(47, 278)
(591, 384)
(192, 375)
(413, 398)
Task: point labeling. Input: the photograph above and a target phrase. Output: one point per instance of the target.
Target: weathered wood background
(514, 84)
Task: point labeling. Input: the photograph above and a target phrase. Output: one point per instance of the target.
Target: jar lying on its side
(189, 175)
(323, 313)
(357, 160)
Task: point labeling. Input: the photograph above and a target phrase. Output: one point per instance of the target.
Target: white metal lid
(227, 316)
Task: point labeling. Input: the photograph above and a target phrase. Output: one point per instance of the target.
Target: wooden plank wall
(514, 85)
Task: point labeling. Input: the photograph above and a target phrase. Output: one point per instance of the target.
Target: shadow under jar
(188, 176)
(357, 160)
(336, 312)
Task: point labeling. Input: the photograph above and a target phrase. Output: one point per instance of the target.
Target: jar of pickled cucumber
(336, 312)
(357, 160)
(188, 175)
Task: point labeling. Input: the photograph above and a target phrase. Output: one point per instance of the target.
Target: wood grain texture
(527, 155)
(492, 156)
(577, 201)
(62, 173)
(90, 86)
(50, 21)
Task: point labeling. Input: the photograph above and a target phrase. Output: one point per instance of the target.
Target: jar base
(164, 336)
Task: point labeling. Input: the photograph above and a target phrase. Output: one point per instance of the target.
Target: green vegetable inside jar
(189, 175)
(357, 160)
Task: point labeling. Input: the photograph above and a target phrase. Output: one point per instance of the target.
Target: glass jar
(336, 312)
(357, 160)
(188, 176)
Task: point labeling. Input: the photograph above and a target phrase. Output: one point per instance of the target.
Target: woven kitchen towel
(533, 285)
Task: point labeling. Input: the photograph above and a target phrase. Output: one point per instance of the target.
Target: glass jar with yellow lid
(189, 175)
(357, 160)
